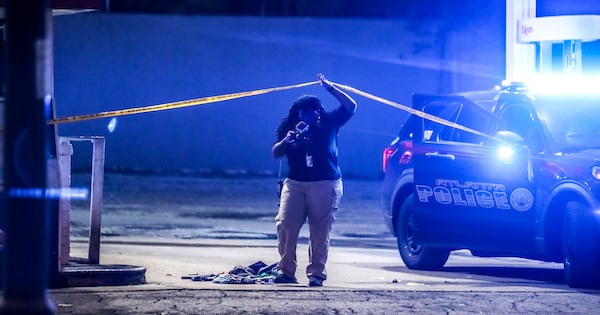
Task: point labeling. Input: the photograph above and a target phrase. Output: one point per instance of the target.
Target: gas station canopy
(559, 28)
(530, 40)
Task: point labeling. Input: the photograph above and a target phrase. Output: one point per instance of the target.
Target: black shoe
(315, 281)
(283, 278)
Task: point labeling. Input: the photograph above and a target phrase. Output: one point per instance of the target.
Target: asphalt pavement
(172, 227)
(362, 280)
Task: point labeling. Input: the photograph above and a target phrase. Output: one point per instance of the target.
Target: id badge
(309, 161)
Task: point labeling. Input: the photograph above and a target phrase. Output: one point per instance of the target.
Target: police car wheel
(414, 255)
(581, 247)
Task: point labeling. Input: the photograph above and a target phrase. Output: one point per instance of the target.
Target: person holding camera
(313, 187)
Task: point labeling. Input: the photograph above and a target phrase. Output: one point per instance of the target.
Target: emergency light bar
(564, 84)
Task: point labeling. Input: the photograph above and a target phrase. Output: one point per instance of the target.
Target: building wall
(115, 61)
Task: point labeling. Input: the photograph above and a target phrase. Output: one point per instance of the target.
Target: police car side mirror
(510, 136)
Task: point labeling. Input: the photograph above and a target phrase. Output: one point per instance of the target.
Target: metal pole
(28, 101)
(96, 199)
(572, 56)
(546, 57)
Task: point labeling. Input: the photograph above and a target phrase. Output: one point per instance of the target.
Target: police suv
(503, 172)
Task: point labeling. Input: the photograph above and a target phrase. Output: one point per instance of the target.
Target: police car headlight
(596, 172)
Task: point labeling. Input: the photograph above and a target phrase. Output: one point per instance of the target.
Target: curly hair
(305, 102)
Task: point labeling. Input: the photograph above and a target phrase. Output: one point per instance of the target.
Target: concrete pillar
(520, 58)
(28, 106)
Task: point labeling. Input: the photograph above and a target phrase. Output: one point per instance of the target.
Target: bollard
(96, 195)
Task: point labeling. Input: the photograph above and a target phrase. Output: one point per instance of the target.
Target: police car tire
(416, 256)
(581, 247)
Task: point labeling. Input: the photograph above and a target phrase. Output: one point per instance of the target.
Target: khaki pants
(316, 201)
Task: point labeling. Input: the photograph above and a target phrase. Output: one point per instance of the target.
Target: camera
(301, 128)
(301, 131)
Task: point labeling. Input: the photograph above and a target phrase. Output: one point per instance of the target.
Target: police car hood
(587, 153)
(582, 158)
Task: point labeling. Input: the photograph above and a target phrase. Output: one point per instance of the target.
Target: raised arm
(344, 99)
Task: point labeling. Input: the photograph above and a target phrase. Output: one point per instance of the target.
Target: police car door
(462, 186)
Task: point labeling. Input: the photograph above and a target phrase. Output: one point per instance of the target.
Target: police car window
(572, 120)
(434, 131)
(468, 116)
(407, 132)
(474, 118)
(520, 121)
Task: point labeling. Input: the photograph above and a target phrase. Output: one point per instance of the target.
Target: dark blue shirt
(315, 157)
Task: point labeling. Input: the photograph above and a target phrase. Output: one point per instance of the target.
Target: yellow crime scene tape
(225, 97)
(180, 104)
(413, 111)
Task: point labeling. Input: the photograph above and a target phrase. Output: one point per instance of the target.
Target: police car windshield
(573, 122)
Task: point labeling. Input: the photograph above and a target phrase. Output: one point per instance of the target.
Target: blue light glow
(564, 84)
(49, 193)
(505, 153)
(112, 124)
